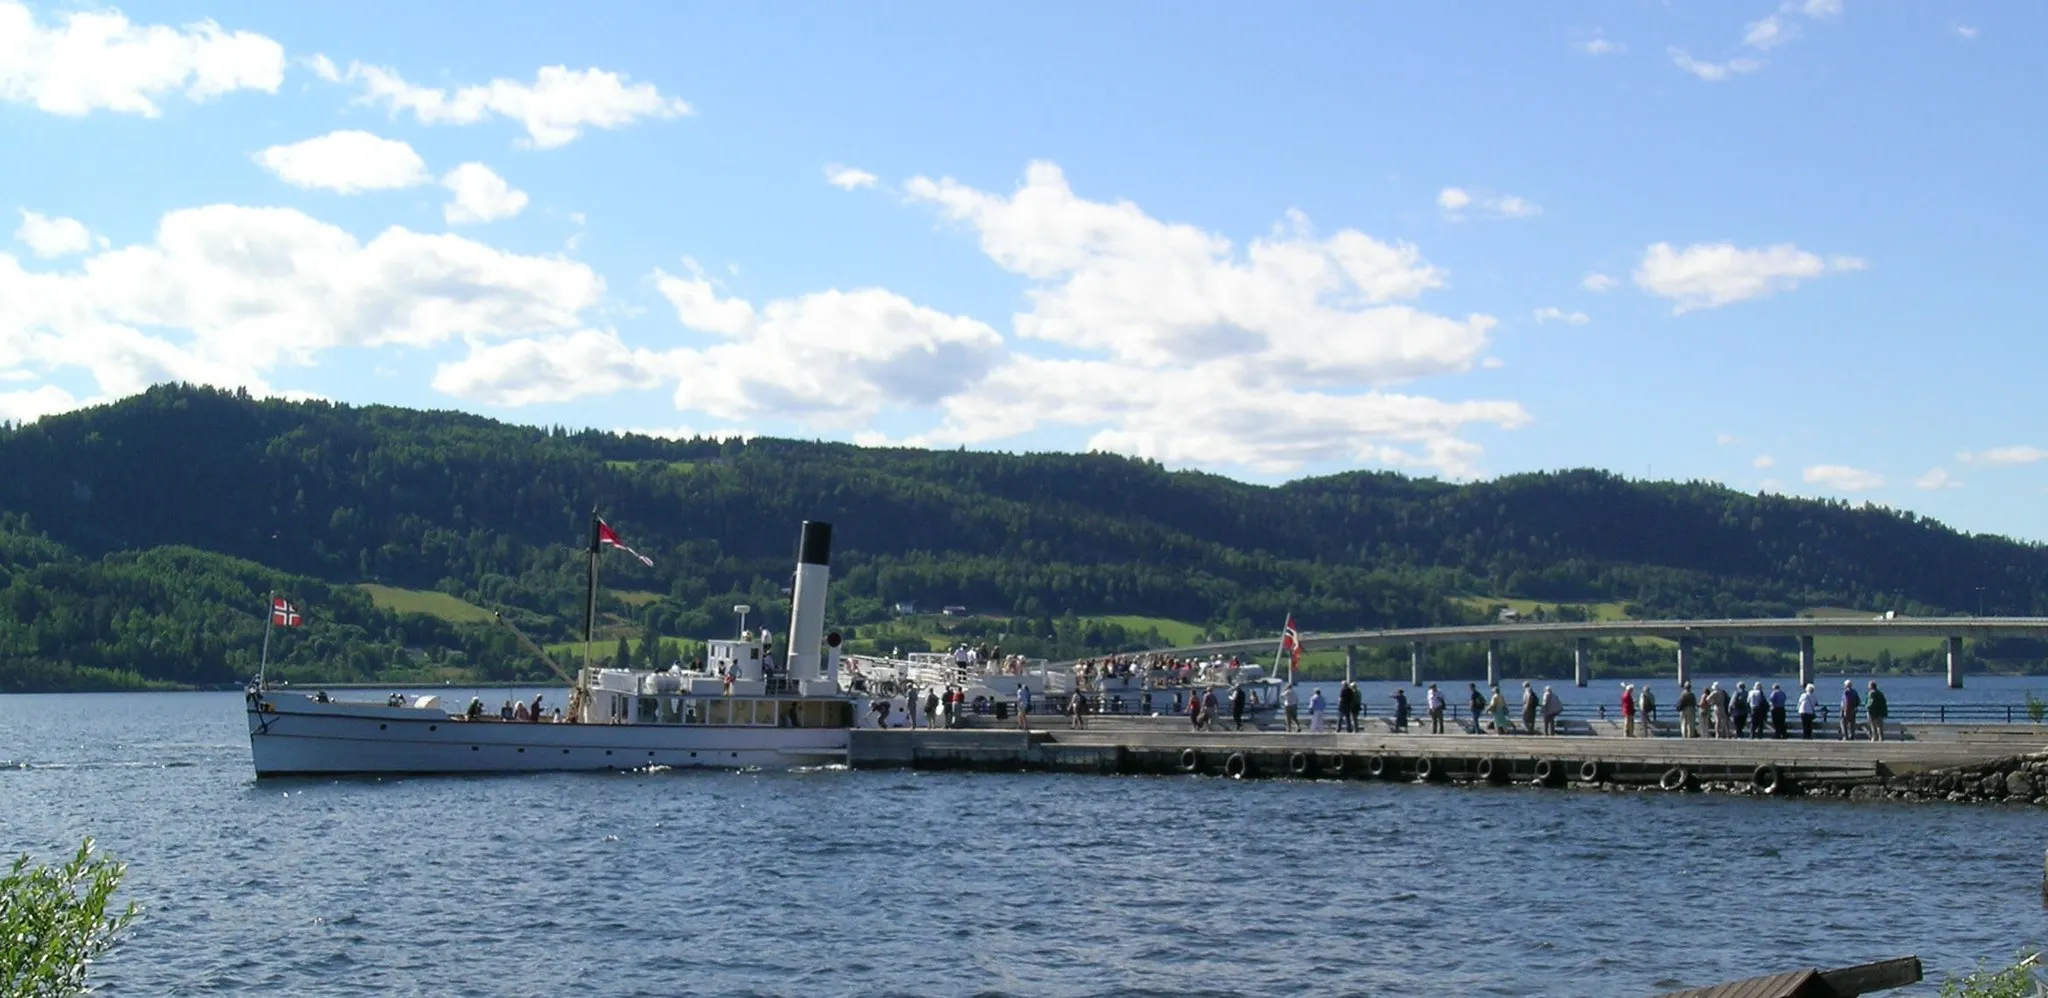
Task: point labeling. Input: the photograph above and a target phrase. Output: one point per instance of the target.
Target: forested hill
(324, 494)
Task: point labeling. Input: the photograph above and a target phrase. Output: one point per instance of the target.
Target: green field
(1527, 607)
(1863, 649)
(635, 597)
(1176, 632)
(433, 604)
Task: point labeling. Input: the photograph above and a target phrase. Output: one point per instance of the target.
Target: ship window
(648, 707)
(716, 714)
(753, 653)
(764, 712)
(668, 711)
(693, 713)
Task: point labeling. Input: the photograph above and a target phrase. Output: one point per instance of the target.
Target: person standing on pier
(1529, 707)
(1552, 707)
(1477, 702)
(1291, 701)
(1688, 711)
(1778, 711)
(1876, 707)
(1435, 703)
(1738, 706)
(1194, 708)
(910, 703)
(1209, 709)
(1347, 708)
(1023, 707)
(1850, 701)
(1401, 711)
(1646, 702)
(1237, 706)
(1806, 706)
(1757, 704)
(1628, 711)
(1315, 712)
(1498, 705)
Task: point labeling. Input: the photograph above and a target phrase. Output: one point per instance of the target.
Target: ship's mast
(590, 597)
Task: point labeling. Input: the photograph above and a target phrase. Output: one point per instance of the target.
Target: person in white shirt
(1806, 712)
(1292, 702)
(1315, 712)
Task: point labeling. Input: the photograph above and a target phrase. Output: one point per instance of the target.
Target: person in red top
(1628, 711)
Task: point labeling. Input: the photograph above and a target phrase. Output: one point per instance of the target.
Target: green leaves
(54, 922)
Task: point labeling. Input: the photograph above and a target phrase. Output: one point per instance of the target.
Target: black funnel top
(816, 546)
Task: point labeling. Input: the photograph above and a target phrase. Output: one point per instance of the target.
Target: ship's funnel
(807, 602)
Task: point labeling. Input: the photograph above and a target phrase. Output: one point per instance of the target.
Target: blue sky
(1785, 246)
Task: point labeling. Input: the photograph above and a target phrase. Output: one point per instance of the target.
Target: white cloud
(1713, 72)
(1195, 342)
(93, 60)
(1725, 438)
(1709, 275)
(1553, 314)
(1454, 200)
(1768, 33)
(1842, 478)
(2004, 456)
(50, 238)
(480, 195)
(552, 369)
(224, 294)
(1966, 31)
(823, 358)
(1207, 415)
(1936, 478)
(1814, 8)
(1601, 46)
(1763, 461)
(1111, 278)
(1492, 363)
(35, 403)
(555, 108)
(690, 433)
(1597, 282)
(1770, 486)
(346, 162)
(847, 178)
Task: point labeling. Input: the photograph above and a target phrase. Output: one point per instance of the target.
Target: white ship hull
(298, 736)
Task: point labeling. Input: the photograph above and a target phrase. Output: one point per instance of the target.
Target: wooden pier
(1911, 764)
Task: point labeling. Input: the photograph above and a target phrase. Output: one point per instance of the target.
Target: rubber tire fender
(1767, 778)
(1674, 779)
(1376, 766)
(1491, 770)
(1589, 771)
(1548, 772)
(1333, 765)
(1236, 766)
(1297, 763)
(1425, 768)
(1190, 761)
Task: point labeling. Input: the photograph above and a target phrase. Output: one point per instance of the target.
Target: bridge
(1685, 633)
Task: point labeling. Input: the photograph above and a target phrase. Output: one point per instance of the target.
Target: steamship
(743, 709)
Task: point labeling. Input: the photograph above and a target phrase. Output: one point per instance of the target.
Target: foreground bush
(54, 921)
(2021, 980)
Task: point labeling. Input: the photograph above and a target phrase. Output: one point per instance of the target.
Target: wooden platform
(1675, 763)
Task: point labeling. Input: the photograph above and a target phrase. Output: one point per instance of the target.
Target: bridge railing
(1135, 704)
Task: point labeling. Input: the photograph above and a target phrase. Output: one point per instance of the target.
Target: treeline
(143, 531)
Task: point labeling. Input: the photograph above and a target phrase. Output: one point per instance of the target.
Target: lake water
(857, 883)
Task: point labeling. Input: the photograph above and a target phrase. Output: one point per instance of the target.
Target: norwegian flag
(607, 537)
(1290, 642)
(283, 613)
